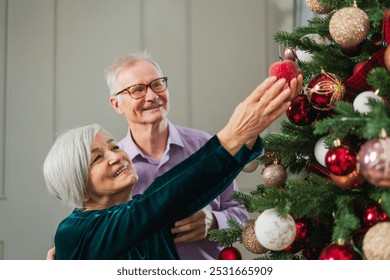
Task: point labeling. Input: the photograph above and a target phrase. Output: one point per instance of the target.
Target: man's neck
(151, 138)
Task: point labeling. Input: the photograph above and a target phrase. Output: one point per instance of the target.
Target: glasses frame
(165, 79)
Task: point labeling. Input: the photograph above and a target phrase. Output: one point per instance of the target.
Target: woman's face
(111, 175)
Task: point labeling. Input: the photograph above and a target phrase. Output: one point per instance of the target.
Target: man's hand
(195, 227)
(50, 256)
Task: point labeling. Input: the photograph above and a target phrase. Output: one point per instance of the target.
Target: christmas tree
(326, 188)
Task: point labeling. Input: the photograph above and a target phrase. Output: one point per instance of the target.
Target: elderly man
(139, 92)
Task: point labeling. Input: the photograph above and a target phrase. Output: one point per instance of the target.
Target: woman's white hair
(67, 164)
(124, 62)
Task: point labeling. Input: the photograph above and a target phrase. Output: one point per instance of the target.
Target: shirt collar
(132, 149)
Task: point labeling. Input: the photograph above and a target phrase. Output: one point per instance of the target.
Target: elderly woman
(86, 169)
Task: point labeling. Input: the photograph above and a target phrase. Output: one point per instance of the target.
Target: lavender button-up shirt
(183, 142)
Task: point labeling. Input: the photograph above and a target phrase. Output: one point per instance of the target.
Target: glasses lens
(137, 90)
(159, 85)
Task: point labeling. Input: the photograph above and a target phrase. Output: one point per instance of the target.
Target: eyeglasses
(138, 91)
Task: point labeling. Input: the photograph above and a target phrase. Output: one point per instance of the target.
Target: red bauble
(230, 253)
(301, 112)
(303, 228)
(340, 160)
(286, 69)
(373, 214)
(337, 251)
(324, 90)
(359, 66)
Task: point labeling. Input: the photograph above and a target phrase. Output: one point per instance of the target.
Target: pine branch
(227, 236)
(345, 219)
(379, 78)
(312, 197)
(294, 146)
(244, 199)
(277, 255)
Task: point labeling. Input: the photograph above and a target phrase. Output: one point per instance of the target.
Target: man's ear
(115, 104)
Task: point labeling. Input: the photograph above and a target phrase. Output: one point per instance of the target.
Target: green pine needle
(227, 236)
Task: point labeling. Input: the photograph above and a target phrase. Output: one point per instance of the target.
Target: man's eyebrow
(109, 141)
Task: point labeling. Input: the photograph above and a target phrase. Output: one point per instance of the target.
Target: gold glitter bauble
(349, 26)
(251, 166)
(376, 242)
(316, 7)
(249, 239)
(274, 175)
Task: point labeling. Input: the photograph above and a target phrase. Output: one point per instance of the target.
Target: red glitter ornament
(339, 251)
(230, 253)
(340, 160)
(303, 227)
(324, 90)
(301, 112)
(373, 214)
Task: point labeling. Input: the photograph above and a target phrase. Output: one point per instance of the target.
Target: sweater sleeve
(192, 184)
(186, 188)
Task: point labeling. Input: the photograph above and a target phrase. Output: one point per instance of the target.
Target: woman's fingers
(257, 94)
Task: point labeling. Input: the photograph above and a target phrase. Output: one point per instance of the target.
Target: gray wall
(52, 59)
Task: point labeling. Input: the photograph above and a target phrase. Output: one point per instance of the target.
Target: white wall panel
(30, 219)
(228, 53)
(3, 42)
(166, 36)
(90, 35)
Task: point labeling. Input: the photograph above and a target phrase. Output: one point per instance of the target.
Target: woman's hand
(252, 116)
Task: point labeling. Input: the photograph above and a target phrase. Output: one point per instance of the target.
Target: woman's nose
(113, 157)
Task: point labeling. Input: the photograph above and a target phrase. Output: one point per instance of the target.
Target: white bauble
(251, 166)
(316, 38)
(273, 231)
(303, 56)
(361, 101)
(320, 151)
(301, 175)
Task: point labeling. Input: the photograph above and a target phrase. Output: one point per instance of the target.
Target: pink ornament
(289, 54)
(374, 161)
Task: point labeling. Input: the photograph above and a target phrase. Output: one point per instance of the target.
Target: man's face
(150, 109)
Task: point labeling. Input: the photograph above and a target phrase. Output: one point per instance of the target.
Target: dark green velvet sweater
(140, 228)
